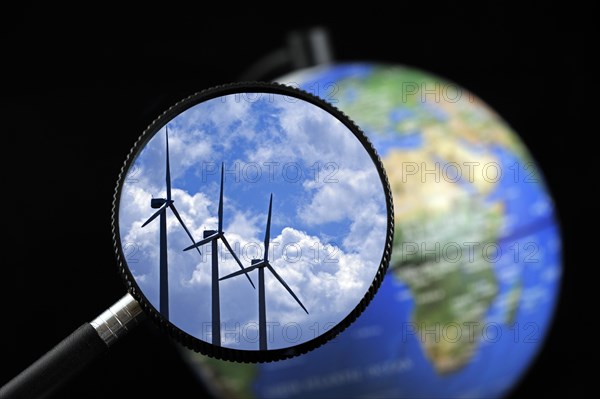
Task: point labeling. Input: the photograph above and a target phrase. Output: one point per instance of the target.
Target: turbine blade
(221, 201)
(268, 230)
(236, 258)
(168, 169)
(245, 271)
(286, 286)
(161, 209)
(204, 241)
(174, 210)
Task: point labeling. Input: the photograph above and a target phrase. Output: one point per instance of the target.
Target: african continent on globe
(476, 261)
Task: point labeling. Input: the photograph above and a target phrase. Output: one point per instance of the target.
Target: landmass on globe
(431, 210)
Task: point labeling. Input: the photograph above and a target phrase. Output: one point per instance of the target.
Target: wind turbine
(162, 204)
(213, 236)
(261, 264)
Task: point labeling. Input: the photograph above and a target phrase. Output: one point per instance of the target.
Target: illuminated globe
(476, 261)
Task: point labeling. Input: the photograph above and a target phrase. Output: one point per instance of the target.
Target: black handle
(65, 360)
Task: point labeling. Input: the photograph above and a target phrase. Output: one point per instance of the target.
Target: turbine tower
(162, 204)
(213, 236)
(261, 264)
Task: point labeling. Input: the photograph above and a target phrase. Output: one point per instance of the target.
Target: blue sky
(328, 227)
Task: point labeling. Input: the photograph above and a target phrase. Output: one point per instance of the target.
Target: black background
(77, 91)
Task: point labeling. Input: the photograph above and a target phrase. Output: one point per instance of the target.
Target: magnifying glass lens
(253, 221)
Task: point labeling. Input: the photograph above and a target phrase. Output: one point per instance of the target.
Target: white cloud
(344, 199)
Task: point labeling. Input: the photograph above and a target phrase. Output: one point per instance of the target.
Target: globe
(476, 263)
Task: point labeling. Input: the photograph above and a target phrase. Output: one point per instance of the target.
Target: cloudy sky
(328, 224)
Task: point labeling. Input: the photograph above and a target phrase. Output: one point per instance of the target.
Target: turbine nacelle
(209, 233)
(156, 203)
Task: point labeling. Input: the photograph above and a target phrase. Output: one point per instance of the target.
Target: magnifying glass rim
(196, 344)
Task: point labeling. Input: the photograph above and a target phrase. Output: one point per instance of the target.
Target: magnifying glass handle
(75, 352)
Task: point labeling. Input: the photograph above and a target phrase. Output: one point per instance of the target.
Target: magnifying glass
(251, 222)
